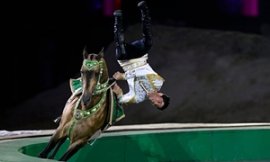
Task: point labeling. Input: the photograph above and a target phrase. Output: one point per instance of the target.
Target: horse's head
(94, 75)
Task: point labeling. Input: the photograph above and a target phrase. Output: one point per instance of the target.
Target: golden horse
(87, 111)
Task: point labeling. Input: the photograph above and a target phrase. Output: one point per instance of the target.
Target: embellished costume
(139, 75)
(132, 57)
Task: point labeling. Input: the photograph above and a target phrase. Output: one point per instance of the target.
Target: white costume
(139, 76)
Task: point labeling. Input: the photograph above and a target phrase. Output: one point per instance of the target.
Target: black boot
(146, 23)
(119, 35)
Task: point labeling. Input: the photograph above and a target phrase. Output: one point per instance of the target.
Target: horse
(87, 111)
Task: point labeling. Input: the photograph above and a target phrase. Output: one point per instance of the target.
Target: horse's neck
(98, 100)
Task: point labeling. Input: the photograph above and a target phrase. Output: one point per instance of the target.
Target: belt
(134, 65)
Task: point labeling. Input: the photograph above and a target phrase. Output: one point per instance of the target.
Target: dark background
(44, 39)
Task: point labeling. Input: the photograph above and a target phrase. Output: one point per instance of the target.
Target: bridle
(100, 87)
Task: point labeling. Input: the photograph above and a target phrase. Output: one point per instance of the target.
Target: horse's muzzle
(86, 98)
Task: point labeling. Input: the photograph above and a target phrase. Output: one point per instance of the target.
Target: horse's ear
(85, 54)
(101, 53)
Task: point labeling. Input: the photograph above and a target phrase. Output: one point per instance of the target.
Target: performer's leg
(146, 25)
(119, 35)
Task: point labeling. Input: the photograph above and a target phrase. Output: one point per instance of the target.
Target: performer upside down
(144, 83)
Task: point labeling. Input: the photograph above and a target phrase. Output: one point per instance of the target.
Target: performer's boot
(119, 34)
(146, 23)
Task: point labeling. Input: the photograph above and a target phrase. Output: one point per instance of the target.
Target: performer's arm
(117, 90)
(122, 98)
(119, 76)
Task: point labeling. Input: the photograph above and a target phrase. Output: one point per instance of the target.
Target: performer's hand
(117, 90)
(119, 76)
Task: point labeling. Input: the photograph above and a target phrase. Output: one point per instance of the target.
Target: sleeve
(126, 99)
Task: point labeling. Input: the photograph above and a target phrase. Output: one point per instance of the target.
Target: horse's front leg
(60, 134)
(73, 148)
(59, 144)
(52, 143)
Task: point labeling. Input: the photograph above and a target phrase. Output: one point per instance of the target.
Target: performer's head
(159, 100)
